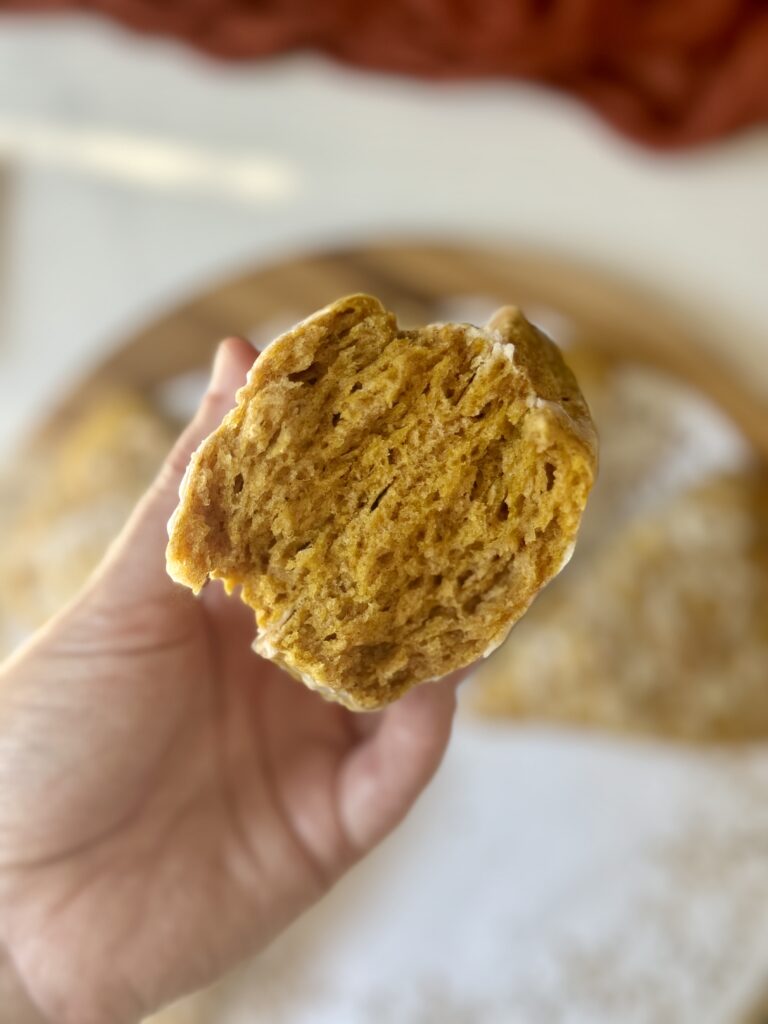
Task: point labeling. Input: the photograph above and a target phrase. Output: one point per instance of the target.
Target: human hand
(168, 800)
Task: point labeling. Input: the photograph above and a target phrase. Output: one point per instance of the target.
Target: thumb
(139, 551)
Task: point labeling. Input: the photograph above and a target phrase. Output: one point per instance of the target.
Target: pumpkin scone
(71, 496)
(389, 501)
(666, 634)
(658, 436)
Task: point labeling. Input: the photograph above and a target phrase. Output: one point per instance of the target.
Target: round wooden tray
(424, 282)
(420, 281)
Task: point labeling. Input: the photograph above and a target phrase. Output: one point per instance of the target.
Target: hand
(168, 800)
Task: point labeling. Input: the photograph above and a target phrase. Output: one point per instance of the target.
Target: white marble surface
(134, 171)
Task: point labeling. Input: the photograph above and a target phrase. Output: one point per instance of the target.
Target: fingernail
(219, 368)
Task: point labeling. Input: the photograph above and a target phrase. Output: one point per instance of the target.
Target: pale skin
(169, 802)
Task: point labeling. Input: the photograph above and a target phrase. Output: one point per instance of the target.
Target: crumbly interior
(667, 633)
(389, 501)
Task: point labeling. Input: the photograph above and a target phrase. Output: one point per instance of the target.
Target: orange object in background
(667, 74)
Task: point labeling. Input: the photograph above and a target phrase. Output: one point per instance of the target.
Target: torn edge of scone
(194, 458)
(264, 647)
(171, 566)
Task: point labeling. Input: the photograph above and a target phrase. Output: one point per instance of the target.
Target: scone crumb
(389, 501)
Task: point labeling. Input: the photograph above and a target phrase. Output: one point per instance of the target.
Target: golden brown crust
(389, 501)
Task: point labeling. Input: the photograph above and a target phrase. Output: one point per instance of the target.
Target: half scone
(389, 501)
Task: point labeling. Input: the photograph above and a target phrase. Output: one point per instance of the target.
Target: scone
(658, 435)
(666, 633)
(70, 499)
(389, 501)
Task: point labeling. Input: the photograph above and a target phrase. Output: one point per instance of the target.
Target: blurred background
(595, 847)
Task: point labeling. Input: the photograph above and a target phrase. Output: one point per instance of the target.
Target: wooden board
(417, 280)
(420, 281)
